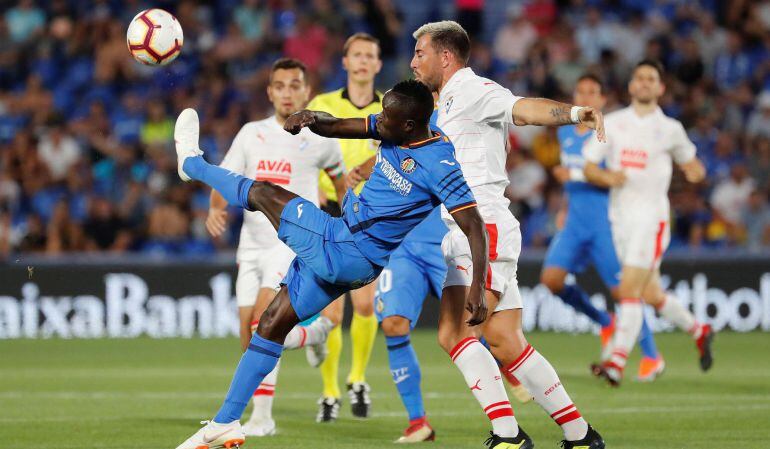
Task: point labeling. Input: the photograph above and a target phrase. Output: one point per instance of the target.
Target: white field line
(448, 413)
(160, 395)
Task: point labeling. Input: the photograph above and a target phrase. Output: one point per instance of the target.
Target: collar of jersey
(346, 96)
(436, 137)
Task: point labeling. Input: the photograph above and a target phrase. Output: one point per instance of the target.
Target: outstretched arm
(603, 177)
(472, 225)
(327, 125)
(545, 112)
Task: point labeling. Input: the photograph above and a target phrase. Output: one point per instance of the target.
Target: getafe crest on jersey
(408, 165)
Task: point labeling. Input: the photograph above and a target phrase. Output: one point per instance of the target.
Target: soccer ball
(154, 37)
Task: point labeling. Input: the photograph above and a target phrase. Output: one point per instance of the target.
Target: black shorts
(332, 208)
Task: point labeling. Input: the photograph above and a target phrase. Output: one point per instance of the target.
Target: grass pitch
(151, 394)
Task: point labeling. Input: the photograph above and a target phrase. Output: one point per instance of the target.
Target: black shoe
(328, 410)
(592, 440)
(520, 441)
(360, 404)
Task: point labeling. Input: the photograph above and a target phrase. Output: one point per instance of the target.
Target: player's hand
(694, 171)
(561, 173)
(301, 119)
(216, 222)
(593, 119)
(476, 304)
(354, 178)
(616, 178)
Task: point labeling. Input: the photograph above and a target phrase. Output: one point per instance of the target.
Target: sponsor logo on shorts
(462, 268)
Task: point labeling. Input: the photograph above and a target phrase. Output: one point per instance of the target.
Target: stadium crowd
(86, 149)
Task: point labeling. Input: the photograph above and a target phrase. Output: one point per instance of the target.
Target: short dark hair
(417, 99)
(361, 36)
(591, 77)
(447, 35)
(654, 63)
(287, 64)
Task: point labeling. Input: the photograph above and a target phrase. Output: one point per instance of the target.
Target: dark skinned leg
(278, 319)
(269, 199)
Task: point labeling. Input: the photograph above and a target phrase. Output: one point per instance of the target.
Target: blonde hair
(447, 35)
(360, 37)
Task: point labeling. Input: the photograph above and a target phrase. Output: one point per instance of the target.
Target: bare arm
(216, 222)
(472, 225)
(361, 172)
(694, 171)
(545, 112)
(327, 125)
(602, 177)
(340, 186)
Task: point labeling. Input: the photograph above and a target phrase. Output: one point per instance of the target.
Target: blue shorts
(328, 263)
(576, 244)
(414, 270)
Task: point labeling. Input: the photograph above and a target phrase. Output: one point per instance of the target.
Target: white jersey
(474, 112)
(643, 148)
(264, 151)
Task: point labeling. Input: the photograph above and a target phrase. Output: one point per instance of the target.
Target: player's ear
(409, 126)
(379, 66)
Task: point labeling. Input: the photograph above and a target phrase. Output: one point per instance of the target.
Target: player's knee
(448, 338)
(363, 308)
(553, 281)
(395, 326)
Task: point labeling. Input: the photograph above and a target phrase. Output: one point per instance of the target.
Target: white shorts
(504, 249)
(641, 244)
(261, 268)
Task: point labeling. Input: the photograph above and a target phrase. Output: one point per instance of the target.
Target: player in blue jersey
(587, 235)
(336, 255)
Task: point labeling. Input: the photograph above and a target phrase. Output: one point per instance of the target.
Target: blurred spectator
(58, 150)
(594, 35)
(158, 128)
(756, 220)
(513, 40)
(759, 162)
(732, 65)
(711, 40)
(25, 20)
(759, 121)
(104, 229)
(731, 196)
(470, 14)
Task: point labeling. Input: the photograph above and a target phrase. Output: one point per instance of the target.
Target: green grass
(139, 394)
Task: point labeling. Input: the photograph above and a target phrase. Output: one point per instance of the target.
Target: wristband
(574, 114)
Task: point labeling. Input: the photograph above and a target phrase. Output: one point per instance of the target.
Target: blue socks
(406, 374)
(578, 299)
(647, 342)
(232, 186)
(256, 363)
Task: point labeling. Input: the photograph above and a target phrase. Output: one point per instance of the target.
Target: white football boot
(259, 427)
(186, 133)
(216, 436)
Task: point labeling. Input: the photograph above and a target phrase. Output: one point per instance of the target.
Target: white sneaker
(259, 427)
(186, 132)
(216, 436)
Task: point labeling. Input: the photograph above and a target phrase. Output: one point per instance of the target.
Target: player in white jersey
(475, 113)
(264, 151)
(641, 144)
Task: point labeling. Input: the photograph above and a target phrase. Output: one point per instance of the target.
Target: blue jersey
(432, 229)
(406, 185)
(586, 201)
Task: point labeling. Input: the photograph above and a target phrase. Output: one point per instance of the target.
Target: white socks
(482, 376)
(627, 328)
(541, 380)
(673, 311)
(312, 334)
